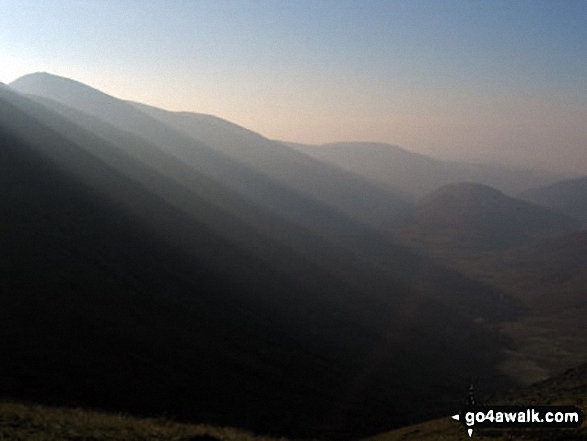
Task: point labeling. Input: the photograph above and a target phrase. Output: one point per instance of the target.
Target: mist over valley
(274, 229)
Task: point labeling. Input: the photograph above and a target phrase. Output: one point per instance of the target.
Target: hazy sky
(498, 79)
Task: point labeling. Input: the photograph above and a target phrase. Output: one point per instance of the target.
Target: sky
(479, 80)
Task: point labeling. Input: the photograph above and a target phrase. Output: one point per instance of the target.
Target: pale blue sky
(500, 79)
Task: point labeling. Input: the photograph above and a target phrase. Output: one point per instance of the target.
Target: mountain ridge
(413, 174)
(221, 163)
(259, 318)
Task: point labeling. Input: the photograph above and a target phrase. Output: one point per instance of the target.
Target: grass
(43, 423)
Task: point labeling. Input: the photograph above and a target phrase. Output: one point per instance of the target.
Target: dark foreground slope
(567, 389)
(114, 297)
(44, 423)
(19, 421)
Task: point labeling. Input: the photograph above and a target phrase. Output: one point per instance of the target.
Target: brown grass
(42, 423)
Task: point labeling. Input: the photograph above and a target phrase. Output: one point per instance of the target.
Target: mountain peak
(61, 89)
(45, 77)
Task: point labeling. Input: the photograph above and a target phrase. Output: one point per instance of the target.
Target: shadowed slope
(369, 252)
(255, 184)
(116, 298)
(568, 388)
(44, 423)
(526, 251)
(353, 195)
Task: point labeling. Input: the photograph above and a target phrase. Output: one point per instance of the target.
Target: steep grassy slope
(266, 172)
(117, 298)
(368, 249)
(353, 195)
(43, 423)
(354, 253)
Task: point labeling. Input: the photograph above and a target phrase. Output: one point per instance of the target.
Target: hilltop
(475, 217)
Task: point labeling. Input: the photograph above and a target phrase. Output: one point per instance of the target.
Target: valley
(171, 263)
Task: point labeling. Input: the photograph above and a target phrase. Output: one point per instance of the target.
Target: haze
(304, 220)
(493, 81)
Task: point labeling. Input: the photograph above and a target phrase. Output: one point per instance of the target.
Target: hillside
(43, 423)
(552, 271)
(568, 197)
(568, 388)
(134, 291)
(529, 253)
(472, 218)
(354, 195)
(264, 171)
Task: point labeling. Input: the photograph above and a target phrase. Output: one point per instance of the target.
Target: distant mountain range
(414, 175)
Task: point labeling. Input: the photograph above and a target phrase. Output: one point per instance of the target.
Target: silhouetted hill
(128, 289)
(415, 175)
(568, 197)
(264, 171)
(353, 195)
(474, 217)
(361, 254)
